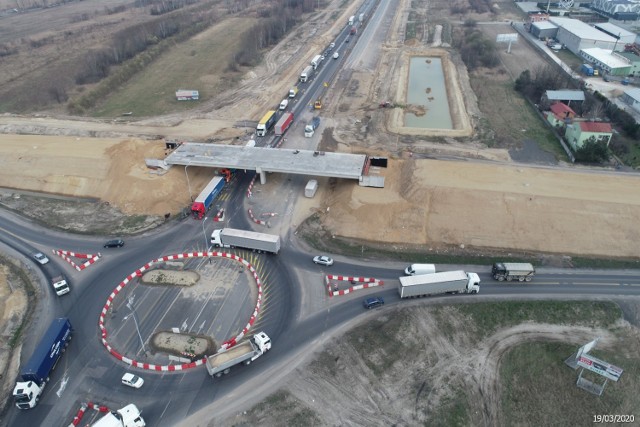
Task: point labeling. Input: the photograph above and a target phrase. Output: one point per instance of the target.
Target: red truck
(205, 199)
(354, 30)
(283, 124)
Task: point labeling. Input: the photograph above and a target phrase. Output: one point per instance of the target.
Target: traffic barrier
(219, 216)
(66, 255)
(138, 273)
(83, 409)
(256, 220)
(253, 180)
(367, 282)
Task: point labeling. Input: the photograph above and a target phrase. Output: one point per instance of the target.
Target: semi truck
(311, 127)
(245, 353)
(35, 373)
(447, 282)
(520, 271)
(245, 239)
(293, 92)
(205, 199)
(315, 62)
(352, 19)
(266, 123)
(283, 124)
(306, 74)
(129, 416)
(60, 285)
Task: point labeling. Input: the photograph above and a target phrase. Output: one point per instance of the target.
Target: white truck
(245, 239)
(221, 363)
(447, 282)
(306, 74)
(315, 62)
(129, 416)
(60, 285)
(311, 127)
(520, 271)
(352, 19)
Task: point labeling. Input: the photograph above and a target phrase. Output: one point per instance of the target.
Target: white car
(336, 55)
(332, 45)
(132, 380)
(41, 258)
(323, 260)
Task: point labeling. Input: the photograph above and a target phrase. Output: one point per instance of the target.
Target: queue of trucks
(245, 239)
(246, 352)
(306, 73)
(205, 199)
(35, 373)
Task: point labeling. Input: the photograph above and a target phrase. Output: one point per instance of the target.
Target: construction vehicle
(447, 282)
(317, 105)
(221, 363)
(36, 372)
(520, 271)
(228, 173)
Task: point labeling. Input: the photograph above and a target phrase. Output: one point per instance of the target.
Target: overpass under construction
(263, 160)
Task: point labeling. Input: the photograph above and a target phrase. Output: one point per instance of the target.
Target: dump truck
(283, 124)
(35, 373)
(315, 62)
(293, 92)
(306, 74)
(205, 199)
(60, 285)
(447, 282)
(311, 127)
(129, 416)
(265, 123)
(245, 239)
(221, 363)
(520, 271)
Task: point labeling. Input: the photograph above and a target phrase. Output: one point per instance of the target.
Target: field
(478, 364)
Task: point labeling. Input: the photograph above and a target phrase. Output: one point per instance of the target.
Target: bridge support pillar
(263, 176)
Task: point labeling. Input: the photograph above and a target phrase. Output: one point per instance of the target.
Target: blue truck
(205, 199)
(35, 373)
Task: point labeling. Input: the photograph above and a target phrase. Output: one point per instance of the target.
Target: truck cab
(60, 285)
(263, 341)
(26, 394)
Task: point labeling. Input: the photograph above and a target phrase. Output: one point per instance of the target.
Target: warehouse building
(576, 35)
(606, 61)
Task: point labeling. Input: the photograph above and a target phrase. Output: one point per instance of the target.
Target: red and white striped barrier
(367, 282)
(253, 180)
(256, 220)
(219, 216)
(65, 255)
(83, 409)
(138, 273)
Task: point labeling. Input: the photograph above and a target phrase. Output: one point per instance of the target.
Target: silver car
(323, 260)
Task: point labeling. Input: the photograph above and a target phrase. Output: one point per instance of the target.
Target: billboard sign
(601, 367)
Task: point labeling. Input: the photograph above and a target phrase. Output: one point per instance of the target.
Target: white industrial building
(577, 35)
(607, 61)
(623, 36)
(632, 97)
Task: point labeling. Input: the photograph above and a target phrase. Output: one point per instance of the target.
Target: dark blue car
(372, 302)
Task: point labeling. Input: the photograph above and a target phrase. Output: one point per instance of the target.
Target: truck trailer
(35, 373)
(129, 416)
(447, 282)
(266, 123)
(311, 127)
(306, 73)
(520, 271)
(315, 62)
(245, 353)
(245, 239)
(205, 199)
(283, 124)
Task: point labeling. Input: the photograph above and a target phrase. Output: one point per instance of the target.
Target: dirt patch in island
(170, 277)
(182, 345)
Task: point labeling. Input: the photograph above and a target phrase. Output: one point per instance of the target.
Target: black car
(373, 302)
(115, 243)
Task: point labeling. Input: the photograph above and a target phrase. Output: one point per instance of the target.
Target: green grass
(487, 318)
(511, 117)
(410, 31)
(538, 389)
(452, 412)
(192, 64)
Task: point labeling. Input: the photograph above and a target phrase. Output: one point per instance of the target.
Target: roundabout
(195, 345)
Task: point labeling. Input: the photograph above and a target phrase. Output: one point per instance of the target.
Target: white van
(283, 104)
(414, 269)
(336, 55)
